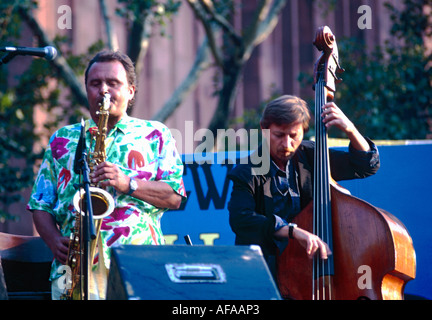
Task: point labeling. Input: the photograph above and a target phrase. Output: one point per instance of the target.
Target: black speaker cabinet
(182, 272)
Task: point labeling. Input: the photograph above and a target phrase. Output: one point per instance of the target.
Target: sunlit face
(284, 141)
(109, 77)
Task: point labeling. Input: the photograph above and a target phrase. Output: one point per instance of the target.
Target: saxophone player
(142, 172)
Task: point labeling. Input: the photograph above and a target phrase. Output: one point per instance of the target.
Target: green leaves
(387, 92)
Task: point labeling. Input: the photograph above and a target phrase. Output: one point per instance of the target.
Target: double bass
(372, 252)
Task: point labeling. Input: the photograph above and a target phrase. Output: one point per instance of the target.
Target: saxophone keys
(73, 262)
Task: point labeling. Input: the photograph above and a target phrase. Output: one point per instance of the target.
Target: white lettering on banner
(207, 238)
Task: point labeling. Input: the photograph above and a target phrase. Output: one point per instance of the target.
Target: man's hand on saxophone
(49, 232)
(108, 174)
(156, 193)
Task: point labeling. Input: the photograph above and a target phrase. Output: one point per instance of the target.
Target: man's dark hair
(286, 110)
(109, 56)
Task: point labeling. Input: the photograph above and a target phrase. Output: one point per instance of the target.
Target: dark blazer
(251, 203)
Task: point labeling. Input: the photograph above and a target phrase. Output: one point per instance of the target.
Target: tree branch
(201, 63)
(139, 40)
(112, 41)
(221, 21)
(60, 62)
(265, 22)
(209, 30)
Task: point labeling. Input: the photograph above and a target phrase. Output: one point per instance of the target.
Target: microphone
(49, 52)
(79, 150)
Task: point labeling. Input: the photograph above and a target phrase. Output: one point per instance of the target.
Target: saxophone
(102, 204)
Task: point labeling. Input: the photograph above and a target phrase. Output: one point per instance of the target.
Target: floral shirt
(142, 149)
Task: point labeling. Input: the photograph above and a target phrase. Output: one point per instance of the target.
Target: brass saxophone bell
(102, 202)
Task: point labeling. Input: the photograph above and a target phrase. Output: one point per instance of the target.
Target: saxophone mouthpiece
(105, 103)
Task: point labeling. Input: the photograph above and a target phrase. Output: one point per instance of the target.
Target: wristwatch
(291, 227)
(133, 185)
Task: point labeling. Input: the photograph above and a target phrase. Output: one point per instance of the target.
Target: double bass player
(261, 207)
(298, 199)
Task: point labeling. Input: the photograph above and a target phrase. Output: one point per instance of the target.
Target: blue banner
(401, 187)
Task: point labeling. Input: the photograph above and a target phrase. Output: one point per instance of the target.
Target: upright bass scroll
(327, 64)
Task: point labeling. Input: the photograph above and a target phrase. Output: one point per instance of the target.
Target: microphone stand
(88, 228)
(8, 57)
(49, 53)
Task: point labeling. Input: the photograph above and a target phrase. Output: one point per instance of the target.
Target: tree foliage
(52, 86)
(234, 50)
(387, 91)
